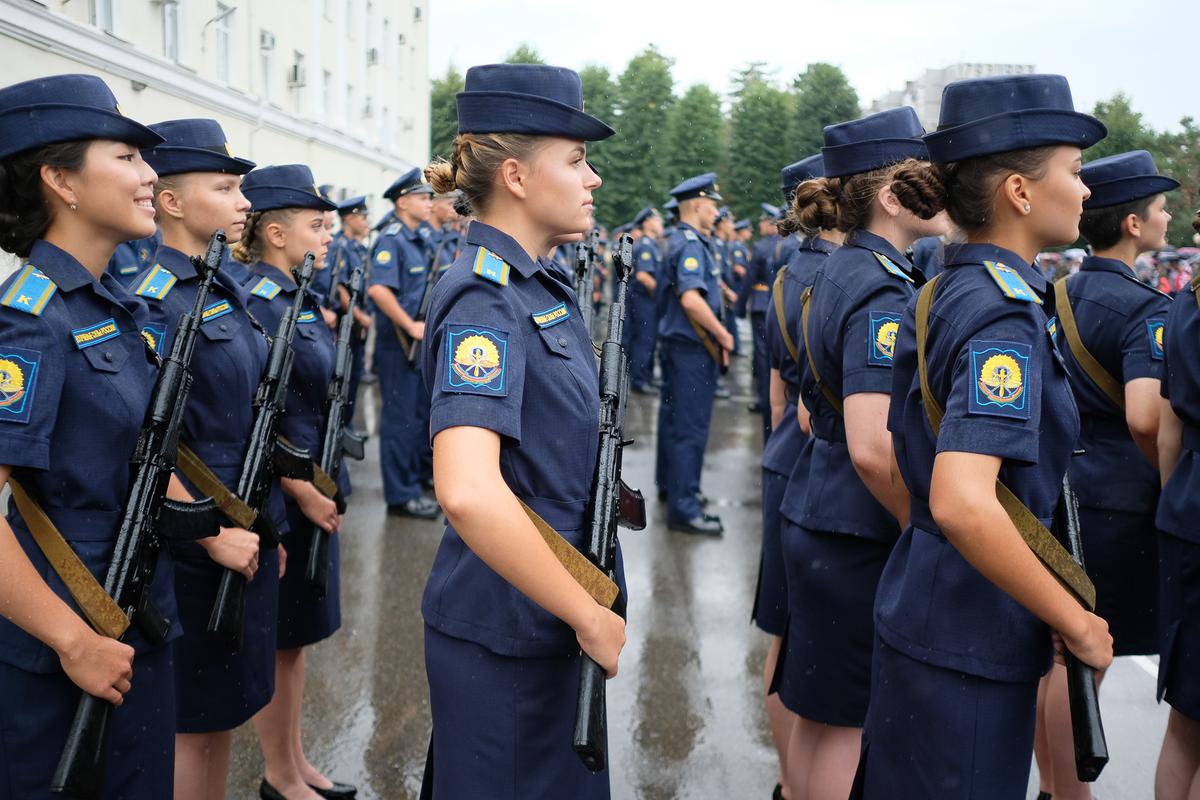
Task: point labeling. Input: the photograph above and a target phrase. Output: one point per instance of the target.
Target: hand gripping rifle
(147, 517)
(612, 502)
(335, 438)
(259, 464)
(1091, 749)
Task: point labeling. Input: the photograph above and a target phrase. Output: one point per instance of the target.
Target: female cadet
(1178, 775)
(847, 519)
(217, 689)
(1110, 328)
(288, 221)
(785, 441)
(75, 381)
(965, 609)
(504, 620)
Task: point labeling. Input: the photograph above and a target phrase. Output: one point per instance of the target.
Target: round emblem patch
(12, 382)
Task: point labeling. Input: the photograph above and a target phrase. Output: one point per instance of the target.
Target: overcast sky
(1149, 49)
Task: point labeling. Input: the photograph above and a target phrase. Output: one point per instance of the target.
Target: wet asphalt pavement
(685, 714)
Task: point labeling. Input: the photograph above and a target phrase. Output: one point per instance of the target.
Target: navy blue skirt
(502, 727)
(831, 578)
(37, 711)
(938, 733)
(305, 617)
(770, 596)
(1120, 549)
(1179, 667)
(216, 688)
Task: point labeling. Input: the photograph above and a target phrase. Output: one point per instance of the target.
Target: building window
(326, 93)
(297, 80)
(170, 14)
(223, 29)
(349, 109)
(416, 13)
(100, 13)
(266, 64)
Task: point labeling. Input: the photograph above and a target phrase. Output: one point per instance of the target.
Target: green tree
(1126, 130)
(443, 112)
(638, 156)
(695, 135)
(600, 100)
(759, 146)
(824, 96)
(1178, 155)
(524, 54)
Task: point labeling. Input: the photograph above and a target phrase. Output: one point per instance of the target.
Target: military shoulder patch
(882, 347)
(265, 288)
(384, 256)
(95, 334)
(30, 291)
(18, 379)
(892, 268)
(646, 255)
(551, 316)
(1012, 284)
(690, 264)
(491, 266)
(1156, 329)
(476, 360)
(154, 336)
(1000, 373)
(157, 283)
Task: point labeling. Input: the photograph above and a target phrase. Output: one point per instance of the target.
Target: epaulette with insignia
(491, 266)
(157, 284)
(690, 236)
(1012, 284)
(392, 230)
(266, 289)
(892, 267)
(30, 291)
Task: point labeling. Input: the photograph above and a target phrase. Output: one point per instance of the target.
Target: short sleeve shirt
(689, 264)
(399, 261)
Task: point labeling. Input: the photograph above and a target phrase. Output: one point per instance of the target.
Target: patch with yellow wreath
(18, 377)
(1155, 329)
(476, 358)
(1001, 373)
(882, 347)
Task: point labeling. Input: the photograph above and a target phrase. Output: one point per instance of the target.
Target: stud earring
(73, 207)
(1027, 208)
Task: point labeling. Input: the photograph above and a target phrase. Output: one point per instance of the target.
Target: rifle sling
(777, 294)
(1112, 389)
(100, 610)
(706, 339)
(830, 397)
(593, 580)
(196, 471)
(1043, 544)
(320, 479)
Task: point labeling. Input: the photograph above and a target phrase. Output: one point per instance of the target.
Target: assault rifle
(585, 270)
(147, 516)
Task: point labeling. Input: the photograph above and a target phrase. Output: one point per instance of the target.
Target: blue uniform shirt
(645, 259)
(399, 261)
(770, 253)
(689, 265)
(997, 372)
(75, 381)
(1180, 501)
(1121, 321)
(508, 352)
(131, 258)
(858, 297)
(740, 254)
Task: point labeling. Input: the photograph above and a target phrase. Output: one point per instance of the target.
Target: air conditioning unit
(266, 40)
(372, 56)
(296, 77)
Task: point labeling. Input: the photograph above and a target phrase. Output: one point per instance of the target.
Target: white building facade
(340, 85)
(925, 93)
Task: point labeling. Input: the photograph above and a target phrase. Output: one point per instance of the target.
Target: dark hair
(24, 212)
(472, 167)
(1102, 226)
(845, 203)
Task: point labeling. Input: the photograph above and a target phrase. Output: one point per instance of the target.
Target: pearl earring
(74, 207)
(1027, 208)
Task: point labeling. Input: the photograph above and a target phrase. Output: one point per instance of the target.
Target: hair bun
(919, 187)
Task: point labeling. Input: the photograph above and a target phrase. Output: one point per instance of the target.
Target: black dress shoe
(268, 792)
(418, 507)
(339, 791)
(778, 793)
(754, 408)
(662, 495)
(703, 525)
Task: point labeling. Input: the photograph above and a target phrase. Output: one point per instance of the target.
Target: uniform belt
(1097, 427)
(1191, 438)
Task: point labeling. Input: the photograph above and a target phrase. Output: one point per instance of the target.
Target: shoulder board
(690, 236)
(392, 230)
(1011, 284)
(891, 268)
(30, 291)
(265, 288)
(491, 266)
(157, 283)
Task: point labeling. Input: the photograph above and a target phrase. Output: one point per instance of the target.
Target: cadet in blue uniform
(770, 253)
(1110, 334)
(350, 251)
(217, 689)
(75, 379)
(288, 221)
(965, 609)
(1178, 775)
(641, 318)
(399, 278)
(848, 517)
(131, 258)
(694, 345)
(504, 620)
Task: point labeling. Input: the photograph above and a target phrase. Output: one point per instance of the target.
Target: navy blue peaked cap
(1123, 178)
(411, 182)
(353, 205)
(671, 204)
(193, 145)
(742, 224)
(526, 98)
(64, 108)
(771, 211)
(700, 186)
(982, 116)
(284, 186)
(795, 174)
(879, 140)
(643, 215)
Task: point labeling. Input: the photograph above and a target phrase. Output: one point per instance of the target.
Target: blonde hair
(472, 168)
(249, 249)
